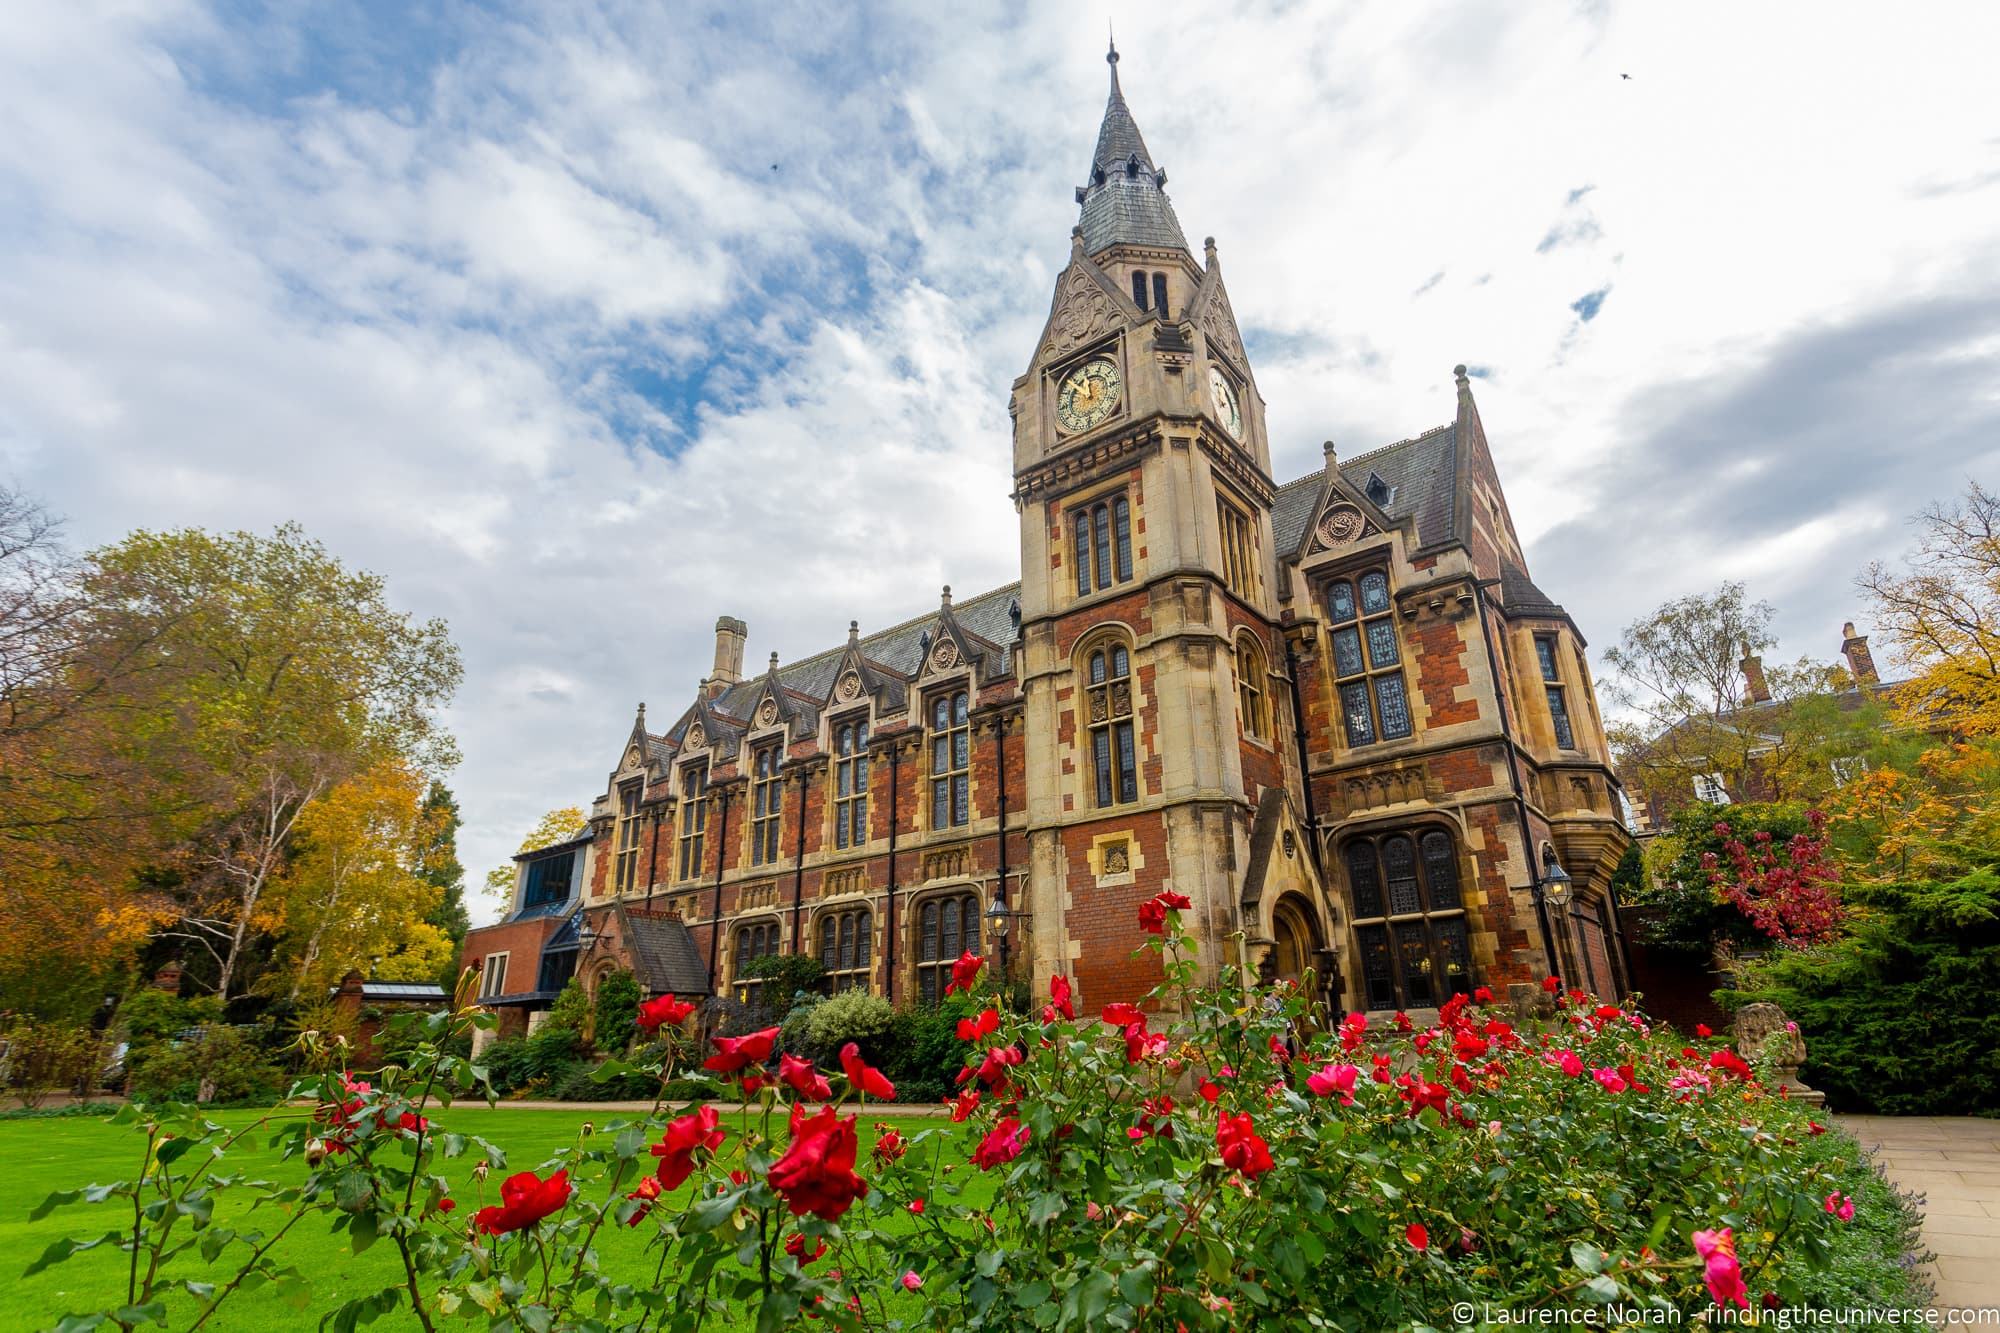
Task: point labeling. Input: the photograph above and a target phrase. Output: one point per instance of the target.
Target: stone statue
(1763, 1032)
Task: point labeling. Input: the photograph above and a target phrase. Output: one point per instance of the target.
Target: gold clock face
(1223, 394)
(1088, 394)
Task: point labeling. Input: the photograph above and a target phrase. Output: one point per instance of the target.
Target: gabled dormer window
(627, 846)
(694, 818)
(766, 798)
(1367, 662)
(850, 783)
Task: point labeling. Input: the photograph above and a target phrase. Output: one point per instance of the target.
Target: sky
(585, 324)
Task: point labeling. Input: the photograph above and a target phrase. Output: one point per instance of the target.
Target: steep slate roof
(1422, 475)
(898, 649)
(664, 954)
(1125, 199)
(1519, 594)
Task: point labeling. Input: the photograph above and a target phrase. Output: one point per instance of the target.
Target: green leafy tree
(438, 863)
(617, 1009)
(1679, 670)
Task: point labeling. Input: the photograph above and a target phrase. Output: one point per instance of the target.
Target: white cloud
(248, 277)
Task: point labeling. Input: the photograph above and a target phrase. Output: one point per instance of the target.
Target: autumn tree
(1680, 672)
(291, 675)
(353, 893)
(1941, 614)
(554, 827)
(81, 809)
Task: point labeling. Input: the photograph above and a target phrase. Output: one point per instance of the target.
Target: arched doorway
(1296, 935)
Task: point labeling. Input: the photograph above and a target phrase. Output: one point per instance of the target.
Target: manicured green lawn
(42, 1156)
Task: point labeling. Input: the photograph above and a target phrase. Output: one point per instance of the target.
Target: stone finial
(1076, 232)
(1458, 373)
(1332, 455)
(1764, 1033)
(641, 719)
(945, 600)
(774, 660)
(1208, 250)
(854, 631)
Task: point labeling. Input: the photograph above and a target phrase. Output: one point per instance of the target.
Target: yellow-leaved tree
(1941, 613)
(354, 895)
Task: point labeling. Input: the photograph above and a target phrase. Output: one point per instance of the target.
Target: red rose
(1123, 1015)
(1243, 1149)
(889, 1145)
(445, 1205)
(816, 1174)
(1209, 1092)
(697, 1129)
(525, 1199)
(800, 1076)
(1418, 1236)
(992, 1070)
(965, 1105)
(1153, 917)
(796, 1247)
(864, 1077)
(1002, 1145)
(1483, 995)
(1059, 994)
(980, 1028)
(1703, 1030)
(1551, 985)
(734, 1053)
(649, 1190)
(964, 972)
(664, 1012)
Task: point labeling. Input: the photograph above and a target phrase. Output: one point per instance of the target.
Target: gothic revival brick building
(1336, 713)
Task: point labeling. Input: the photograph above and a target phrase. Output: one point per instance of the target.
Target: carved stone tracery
(1082, 312)
(1339, 525)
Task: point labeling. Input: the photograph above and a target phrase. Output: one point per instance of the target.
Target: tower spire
(1125, 199)
(1111, 57)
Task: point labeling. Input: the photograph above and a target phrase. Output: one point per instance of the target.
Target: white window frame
(1709, 787)
(486, 987)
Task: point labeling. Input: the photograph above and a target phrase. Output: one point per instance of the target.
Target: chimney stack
(729, 636)
(1854, 647)
(1753, 677)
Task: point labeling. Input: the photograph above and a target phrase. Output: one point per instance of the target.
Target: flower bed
(1209, 1160)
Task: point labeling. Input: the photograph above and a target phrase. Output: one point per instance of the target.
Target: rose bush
(1214, 1158)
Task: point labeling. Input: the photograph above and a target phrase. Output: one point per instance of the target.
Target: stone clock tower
(1155, 718)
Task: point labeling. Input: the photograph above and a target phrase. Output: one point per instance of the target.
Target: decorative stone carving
(1118, 858)
(1339, 525)
(696, 740)
(1763, 1032)
(767, 714)
(849, 688)
(949, 863)
(1219, 323)
(839, 882)
(945, 656)
(1082, 312)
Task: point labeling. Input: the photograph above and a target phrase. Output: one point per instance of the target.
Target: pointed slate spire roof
(1125, 199)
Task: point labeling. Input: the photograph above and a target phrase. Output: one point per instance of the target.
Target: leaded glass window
(1367, 659)
(1410, 929)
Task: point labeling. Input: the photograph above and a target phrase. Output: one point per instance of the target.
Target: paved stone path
(1954, 1162)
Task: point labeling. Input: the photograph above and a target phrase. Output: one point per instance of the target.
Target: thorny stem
(237, 1281)
(138, 1216)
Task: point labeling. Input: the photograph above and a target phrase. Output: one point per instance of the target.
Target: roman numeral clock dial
(1088, 394)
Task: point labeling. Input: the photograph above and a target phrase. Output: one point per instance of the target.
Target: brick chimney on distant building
(729, 636)
(1854, 647)
(1753, 677)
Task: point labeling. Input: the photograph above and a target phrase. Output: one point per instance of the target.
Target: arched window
(628, 838)
(1102, 545)
(1160, 294)
(1367, 665)
(850, 783)
(754, 941)
(946, 927)
(844, 943)
(951, 760)
(1113, 758)
(1409, 920)
(1138, 289)
(1253, 707)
